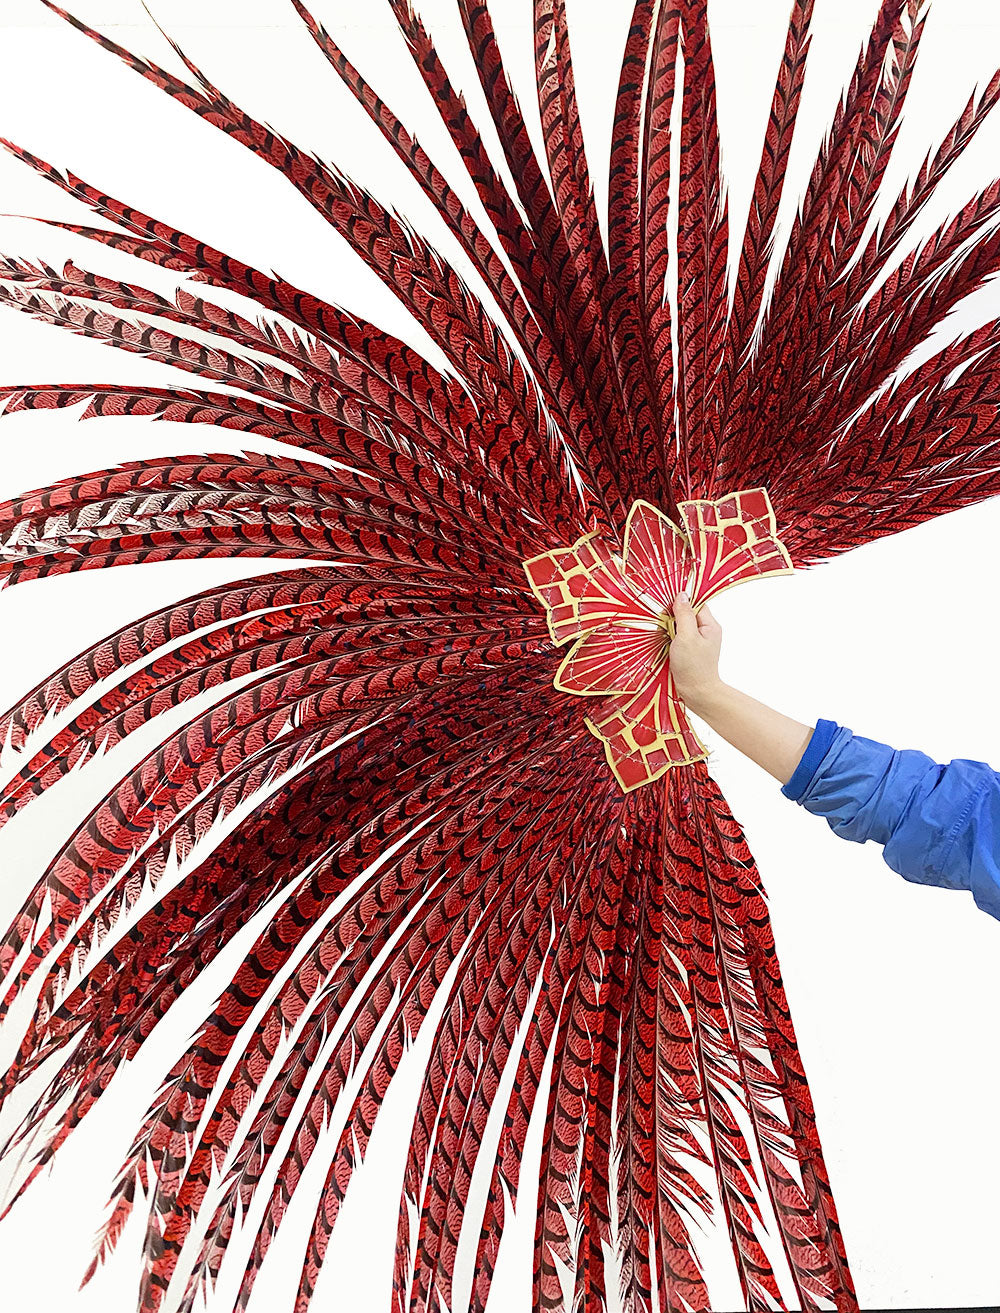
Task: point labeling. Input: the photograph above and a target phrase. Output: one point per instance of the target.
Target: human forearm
(774, 741)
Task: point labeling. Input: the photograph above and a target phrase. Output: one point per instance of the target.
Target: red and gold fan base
(616, 611)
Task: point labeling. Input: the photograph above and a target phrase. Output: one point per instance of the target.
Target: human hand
(694, 653)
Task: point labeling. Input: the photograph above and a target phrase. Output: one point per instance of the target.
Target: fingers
(688, 622)
(684, 616)
(706, 620)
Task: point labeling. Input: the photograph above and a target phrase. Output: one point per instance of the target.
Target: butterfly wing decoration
(435, 803)
(619, 611)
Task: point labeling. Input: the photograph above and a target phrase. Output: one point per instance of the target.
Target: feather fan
(451, 807)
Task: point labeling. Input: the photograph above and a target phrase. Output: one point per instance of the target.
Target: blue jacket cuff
(816, 750)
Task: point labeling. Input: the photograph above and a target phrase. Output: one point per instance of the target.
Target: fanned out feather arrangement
(430, 793)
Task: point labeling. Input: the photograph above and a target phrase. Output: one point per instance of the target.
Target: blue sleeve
(938, 824)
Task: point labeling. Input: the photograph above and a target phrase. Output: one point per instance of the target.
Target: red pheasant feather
(464, 778)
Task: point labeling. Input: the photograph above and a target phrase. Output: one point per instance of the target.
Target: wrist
(707, 698)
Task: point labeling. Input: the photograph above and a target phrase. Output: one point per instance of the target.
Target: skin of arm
(937, 823)
(774, 741)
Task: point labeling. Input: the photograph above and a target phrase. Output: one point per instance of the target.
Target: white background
(893, 986)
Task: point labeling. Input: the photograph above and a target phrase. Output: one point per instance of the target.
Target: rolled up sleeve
(938, 824)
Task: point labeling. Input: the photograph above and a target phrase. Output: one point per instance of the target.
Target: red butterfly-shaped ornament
(619, 611)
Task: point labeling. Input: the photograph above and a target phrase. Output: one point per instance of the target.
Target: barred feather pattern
(424, 820)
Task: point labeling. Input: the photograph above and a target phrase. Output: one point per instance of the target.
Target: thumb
(684, 616)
